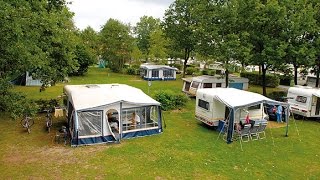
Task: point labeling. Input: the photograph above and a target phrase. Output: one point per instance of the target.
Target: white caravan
(213, 105)
(304, 101)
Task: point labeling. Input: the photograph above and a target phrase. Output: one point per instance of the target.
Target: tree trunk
(264, 70)
(186, 57)
(227, 74)
(318, 68)
(295, 66)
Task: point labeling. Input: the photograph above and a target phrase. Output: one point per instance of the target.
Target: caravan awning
(95, 95)
(236, 98)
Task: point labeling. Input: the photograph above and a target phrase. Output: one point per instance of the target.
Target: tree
(91, 39)
(300, 22)
(37, 36)
(116, 44)
(266, 23)
(158, 45)
(221, 34)
(145, 27)
(179, 26)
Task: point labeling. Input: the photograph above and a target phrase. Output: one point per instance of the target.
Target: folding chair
(261, 131)
(254, 135)
(245, 133)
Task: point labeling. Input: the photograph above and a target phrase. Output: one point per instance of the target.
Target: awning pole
(287, 120)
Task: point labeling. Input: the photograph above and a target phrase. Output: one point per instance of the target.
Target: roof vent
(92, 86)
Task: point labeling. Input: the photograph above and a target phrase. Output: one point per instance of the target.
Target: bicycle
(27, 122)
(48, 120)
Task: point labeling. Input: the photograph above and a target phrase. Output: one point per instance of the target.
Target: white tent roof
(153, 66)
(236, 98)
(95, 95)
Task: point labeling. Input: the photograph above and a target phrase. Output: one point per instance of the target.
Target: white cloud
(95, 13)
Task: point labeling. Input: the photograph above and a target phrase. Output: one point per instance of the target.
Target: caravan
(102, 113)
(304, 101)
(230, 106)
(212, 108)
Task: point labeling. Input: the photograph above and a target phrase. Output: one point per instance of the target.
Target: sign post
(149, 84)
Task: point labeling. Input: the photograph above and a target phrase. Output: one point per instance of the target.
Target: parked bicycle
(48, 120)
(27, 122)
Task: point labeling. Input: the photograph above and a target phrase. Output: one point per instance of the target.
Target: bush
(46, 104)
(277, 95)
(191, 70)
(255, 78)
(170, 100)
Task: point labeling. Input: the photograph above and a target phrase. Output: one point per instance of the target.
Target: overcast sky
(95, 13)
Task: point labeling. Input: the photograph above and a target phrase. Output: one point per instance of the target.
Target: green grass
(185, 150)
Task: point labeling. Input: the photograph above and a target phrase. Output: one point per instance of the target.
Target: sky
(95, 13)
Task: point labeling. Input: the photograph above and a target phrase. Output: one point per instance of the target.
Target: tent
(88, 107)
(152, 72)
(236, 100)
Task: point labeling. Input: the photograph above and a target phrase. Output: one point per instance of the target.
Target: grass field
(185, 150)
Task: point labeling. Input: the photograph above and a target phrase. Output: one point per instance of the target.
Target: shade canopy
(235, 98)
(95, 95)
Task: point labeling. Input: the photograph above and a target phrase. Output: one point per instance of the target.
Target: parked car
(270, 111)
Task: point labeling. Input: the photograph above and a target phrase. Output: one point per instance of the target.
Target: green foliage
(255, 78)
(191, 70)
(277, 95)
(46, 104)
(133, 70)
(149, 37)
(170, 100)
(85, 58)
(117, 44)
(208, 72)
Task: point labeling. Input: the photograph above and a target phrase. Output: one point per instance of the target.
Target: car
(270, 111)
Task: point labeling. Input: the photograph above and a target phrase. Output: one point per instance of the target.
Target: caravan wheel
(297, 116)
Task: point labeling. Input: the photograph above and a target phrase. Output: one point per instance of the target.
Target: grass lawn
(185, 150)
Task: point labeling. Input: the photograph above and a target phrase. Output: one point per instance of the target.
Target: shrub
(191, 70)
(277, 95)
(170, 100)
(46, 104)
(255, 78)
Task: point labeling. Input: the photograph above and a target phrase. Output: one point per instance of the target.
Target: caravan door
(315, 106)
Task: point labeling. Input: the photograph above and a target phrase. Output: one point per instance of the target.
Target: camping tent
(152, 72)
(236, 100)
(89, 105)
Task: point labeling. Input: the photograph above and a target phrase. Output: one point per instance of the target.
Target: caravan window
(195, 84)
(203, 104)
(155, 73)
(254, 107)
(207, 85)
(146, 117)
(90, 123)
(301, 99)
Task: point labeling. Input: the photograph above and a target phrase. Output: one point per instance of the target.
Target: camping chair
(245, 133)
(261, 131)
(254, 134)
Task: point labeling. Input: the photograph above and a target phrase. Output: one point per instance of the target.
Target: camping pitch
(102, 113)
(228, 105)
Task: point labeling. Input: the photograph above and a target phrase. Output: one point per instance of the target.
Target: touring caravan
(230, 105)
(304, 101)
(192, 84)
(210, 108)
(102, 113)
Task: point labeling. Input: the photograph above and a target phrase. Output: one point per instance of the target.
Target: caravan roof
(236, 98)
(152, 66)
(305, 90)
(94, 95)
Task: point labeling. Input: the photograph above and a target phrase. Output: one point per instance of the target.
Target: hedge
(170, 100)
(255, 78)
